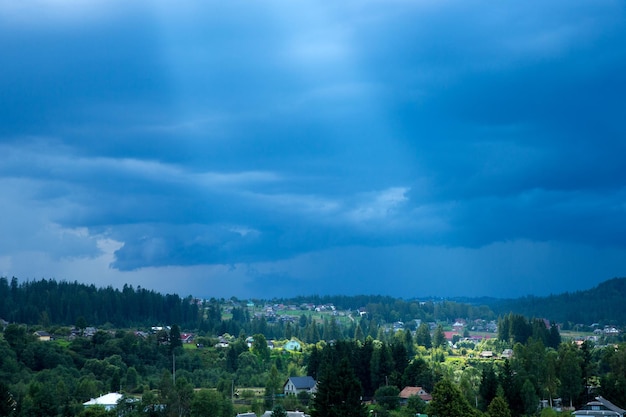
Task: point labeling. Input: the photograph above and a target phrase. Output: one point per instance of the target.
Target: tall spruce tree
(338, 393)
(439, 338)
(408, 344)
(363, 366)
(488, 387)
(422, 336)
(314, 362)
(381, 365)
(174, 337)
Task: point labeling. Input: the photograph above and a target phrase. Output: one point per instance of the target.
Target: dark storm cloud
(437, 140)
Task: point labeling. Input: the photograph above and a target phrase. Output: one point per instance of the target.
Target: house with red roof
(408, 392)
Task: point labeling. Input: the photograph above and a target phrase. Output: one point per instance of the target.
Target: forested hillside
(603, 304)
(49, 302)
(63, 303)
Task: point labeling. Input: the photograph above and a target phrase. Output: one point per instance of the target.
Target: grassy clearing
(572, 335)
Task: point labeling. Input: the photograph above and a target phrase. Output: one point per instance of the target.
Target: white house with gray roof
(298, 384)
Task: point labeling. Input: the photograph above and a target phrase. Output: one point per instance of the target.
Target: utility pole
(174, 368)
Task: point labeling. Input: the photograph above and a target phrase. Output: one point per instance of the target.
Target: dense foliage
(515, 328)
(358, 357)
(571, 374)
(389, 309)
(51, 302)
(603, 304)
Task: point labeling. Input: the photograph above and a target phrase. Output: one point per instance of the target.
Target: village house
(293, 345)
(298, 384)
(222, 342)
(408, 392)
(43, 336)
(601, 407)
(186, 337)
(459, 325)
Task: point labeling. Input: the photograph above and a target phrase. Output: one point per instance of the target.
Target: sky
(274, 148)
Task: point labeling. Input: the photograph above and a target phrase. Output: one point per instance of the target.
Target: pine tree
(400, 362)
(288, 331)
(338, 393)
(422, 336)
(510, 388)
(381, 365)
(358, 332)
(529, 397)
(174, 337)
(363, 366)
(554, 338)
(408, 343)
(439, 338)
(231, 359)
(314, 362)
(488, 387)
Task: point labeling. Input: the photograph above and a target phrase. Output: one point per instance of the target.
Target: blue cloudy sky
(278, 148)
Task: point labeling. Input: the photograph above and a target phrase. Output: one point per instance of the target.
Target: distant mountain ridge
(604, 304)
